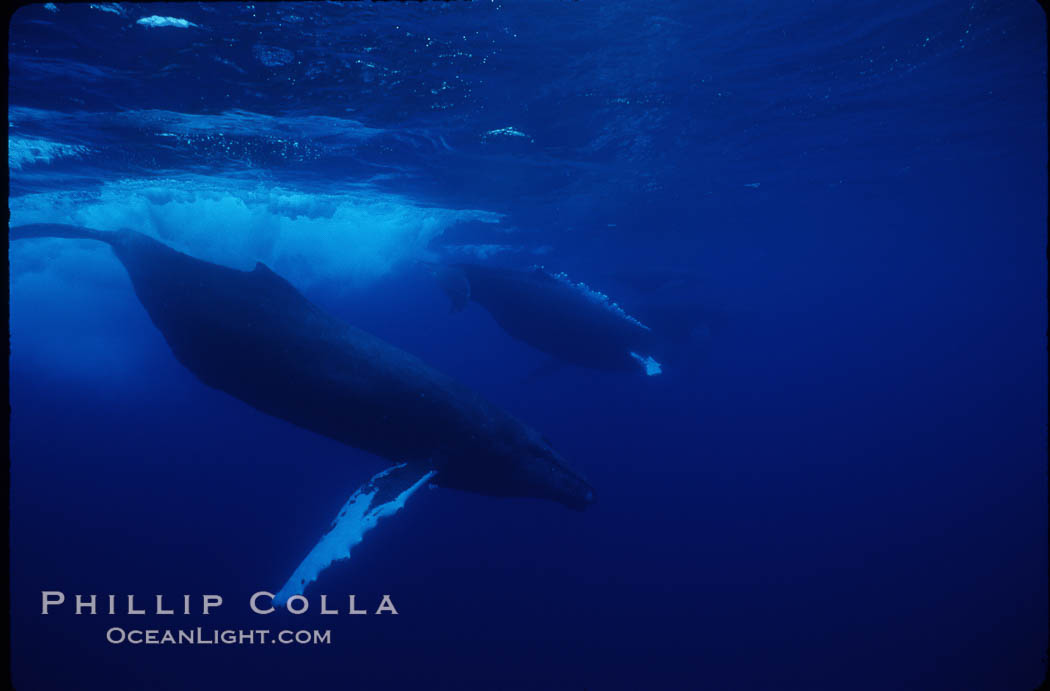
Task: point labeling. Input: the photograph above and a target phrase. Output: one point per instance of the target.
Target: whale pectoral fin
(649, 364)
(382, 496)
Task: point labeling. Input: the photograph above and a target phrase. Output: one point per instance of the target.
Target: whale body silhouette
(569, 321)
(252, 335)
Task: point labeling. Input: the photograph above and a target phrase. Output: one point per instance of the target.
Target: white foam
(356, 518)
(23, 151)
(479, 251)
(157, 21)
(272, 56)
(240, 123)
(112, 8)
(342, 240)
(506, 132)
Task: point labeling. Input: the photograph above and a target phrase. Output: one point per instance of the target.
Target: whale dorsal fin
(266, 272)
(269, 276)
(277, 287)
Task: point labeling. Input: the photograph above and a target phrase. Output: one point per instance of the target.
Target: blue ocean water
(839, 483)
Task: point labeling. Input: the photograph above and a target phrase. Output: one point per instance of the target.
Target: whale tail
(56, 230)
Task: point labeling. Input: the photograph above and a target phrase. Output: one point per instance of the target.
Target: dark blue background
(844, 488)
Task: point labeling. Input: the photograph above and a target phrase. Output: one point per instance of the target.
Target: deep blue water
(842, 485)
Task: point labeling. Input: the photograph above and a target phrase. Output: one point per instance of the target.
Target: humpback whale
(252, 335)
(567, 320)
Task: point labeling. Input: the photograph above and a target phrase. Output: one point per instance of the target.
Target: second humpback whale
(254, 336)
(567, 320)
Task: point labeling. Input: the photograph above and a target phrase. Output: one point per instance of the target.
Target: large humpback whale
(254, 336)
(567, 320)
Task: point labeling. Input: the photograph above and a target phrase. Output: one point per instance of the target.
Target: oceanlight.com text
(201, 636)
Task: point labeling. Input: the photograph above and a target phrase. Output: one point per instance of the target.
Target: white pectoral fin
(382, 496)
(651, 366)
